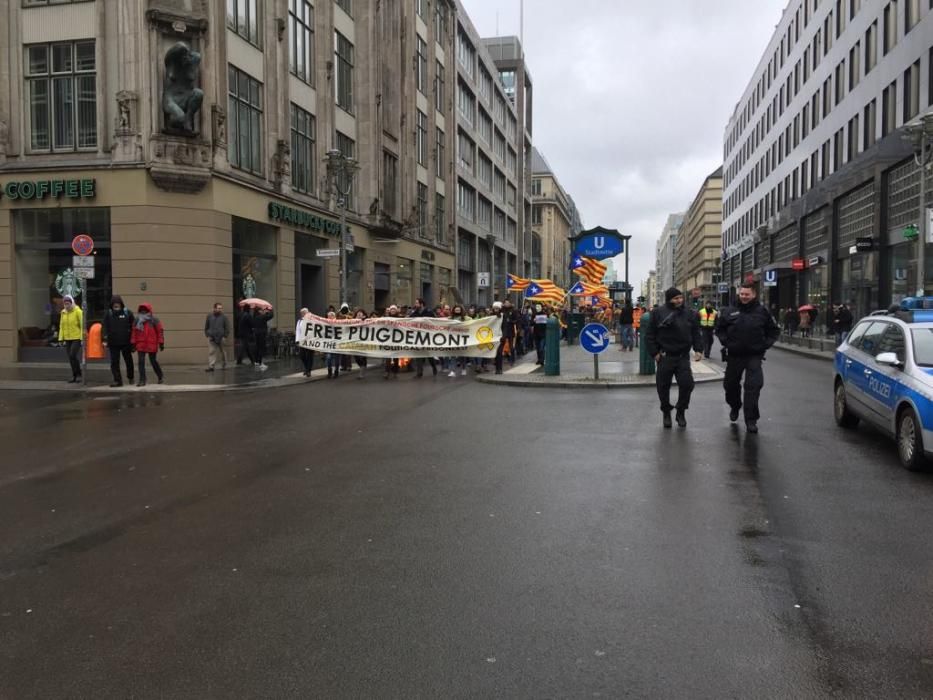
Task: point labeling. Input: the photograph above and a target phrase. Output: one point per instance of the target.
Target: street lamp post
(491, 242)
(921, 134)
(340, 165)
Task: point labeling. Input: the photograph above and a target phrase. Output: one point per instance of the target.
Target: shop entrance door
(311, 287)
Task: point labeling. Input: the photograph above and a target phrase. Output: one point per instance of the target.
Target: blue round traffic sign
(595, 338)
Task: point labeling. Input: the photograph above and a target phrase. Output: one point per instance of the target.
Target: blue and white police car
(884, 376)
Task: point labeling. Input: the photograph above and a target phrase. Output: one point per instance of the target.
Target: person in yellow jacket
(708, 316)
(71, 333)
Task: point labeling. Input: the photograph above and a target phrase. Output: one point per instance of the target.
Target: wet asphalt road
(449, 539)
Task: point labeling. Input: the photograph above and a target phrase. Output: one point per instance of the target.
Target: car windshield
(923, 346)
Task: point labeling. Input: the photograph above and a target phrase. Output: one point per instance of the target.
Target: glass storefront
(254, 266)
(858, 281)
(44, 273)
(903, 266)
(815, 283)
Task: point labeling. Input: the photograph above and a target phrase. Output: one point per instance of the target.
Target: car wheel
(910, 441)
(844, 417)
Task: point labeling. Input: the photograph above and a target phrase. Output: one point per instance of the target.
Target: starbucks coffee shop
(183, 252)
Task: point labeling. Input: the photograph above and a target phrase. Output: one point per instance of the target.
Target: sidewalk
(617, 370)
(179, 378)
(806, 352)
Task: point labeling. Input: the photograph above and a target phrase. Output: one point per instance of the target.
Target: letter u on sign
(599, 242)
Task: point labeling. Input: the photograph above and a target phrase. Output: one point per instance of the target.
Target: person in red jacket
(147, 339)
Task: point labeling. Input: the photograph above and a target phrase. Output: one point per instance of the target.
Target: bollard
(646, 364)
(552, 348)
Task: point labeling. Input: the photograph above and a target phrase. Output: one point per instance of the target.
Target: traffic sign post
(595, 338)
(83, 246)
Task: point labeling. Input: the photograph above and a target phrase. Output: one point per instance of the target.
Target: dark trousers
(142, 365)
(419, 365)
(117, 351)
(669, 367)
(243, 349)
(500, 353)
(754, 381)
(539, 348)
(707, 340)
(73, 348)
(260, 347)
(307, 358)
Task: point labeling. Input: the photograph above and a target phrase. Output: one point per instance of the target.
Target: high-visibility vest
(707, 320)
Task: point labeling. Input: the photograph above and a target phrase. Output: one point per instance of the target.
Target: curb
(629, 381)
(803, 352)
(288, 380)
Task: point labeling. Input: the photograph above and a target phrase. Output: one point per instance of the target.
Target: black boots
(751, 426)
(681, 418)
(667, 419)
(733, 414)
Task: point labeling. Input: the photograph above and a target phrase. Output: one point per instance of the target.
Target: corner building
(814, 155)
(240, 207)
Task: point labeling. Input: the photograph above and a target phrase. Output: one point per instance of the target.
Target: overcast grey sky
(631, 98)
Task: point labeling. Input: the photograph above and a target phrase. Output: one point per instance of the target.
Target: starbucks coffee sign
(303, 219)
(27, 190)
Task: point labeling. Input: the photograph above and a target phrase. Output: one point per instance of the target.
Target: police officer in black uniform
(672, 331)
(746, 331)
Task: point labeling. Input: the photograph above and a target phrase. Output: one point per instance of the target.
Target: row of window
(862, 58)
(466, 57)
(857, 135)
(478, 209)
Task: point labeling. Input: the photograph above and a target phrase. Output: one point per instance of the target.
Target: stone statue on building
(181, 100)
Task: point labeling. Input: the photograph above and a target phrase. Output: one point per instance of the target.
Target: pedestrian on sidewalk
(117, 331)
(216, 329)
(842, 322)
(71, 333)
(746, 331)
(708, 315)
(672, 331)
(803, 324)
(627, 326)
(148, 339)
(306, 355)
(259, 323)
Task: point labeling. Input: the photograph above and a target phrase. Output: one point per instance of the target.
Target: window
(536, 187)
(244, 117)
(465, 200)
(439, 87)
(421, 136)
(840, 79)
(840, 17)
(498, 146)
(420, 7)
(930, 77)
(243, 18)
(870, 125)
(389, 184)
(439, 153)
(838, 149)
(484, 212)
(536, 215)
(484, 170)
(888, 107)
(440, 223)
(347, 148)
(824, 161)
(892, 341)
(854, 7)
(301, 39)
(466, 103)
(485, 85)
(827, 96)
(871, 47)
(303, 158)
(422, 208)
(421, 66)
(61, 84)
(343, 74)
(466, 54)
(440, 21)
(853, 137)
(912, 92)
(890, 27)
(485, 126)
(345, 5)
(855, 73)
(911, 14)
(870, 341)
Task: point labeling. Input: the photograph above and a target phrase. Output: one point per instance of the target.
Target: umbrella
(806, 307)
(254, 301)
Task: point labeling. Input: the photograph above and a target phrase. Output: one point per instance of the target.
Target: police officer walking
(672, 331)
(708, 316)
(746, 331)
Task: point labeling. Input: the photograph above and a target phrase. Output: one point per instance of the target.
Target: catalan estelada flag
(582, 288)
(513, 283)
(545, 290)
(589, 269)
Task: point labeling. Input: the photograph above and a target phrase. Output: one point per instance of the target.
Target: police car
(884, 376)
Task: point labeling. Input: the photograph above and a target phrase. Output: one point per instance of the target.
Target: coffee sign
(27, 190)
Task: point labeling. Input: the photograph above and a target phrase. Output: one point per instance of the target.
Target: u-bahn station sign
(599, 243)
(26, 190)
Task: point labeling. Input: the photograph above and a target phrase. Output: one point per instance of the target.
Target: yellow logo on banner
(484, 335)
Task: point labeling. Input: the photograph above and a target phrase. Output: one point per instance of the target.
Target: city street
(443, 538)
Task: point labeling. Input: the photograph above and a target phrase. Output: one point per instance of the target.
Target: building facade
(649, 289)
(489, 175)
(815, 159)
(237, 202)
(554, 217)
(699, 243)
(666, 255)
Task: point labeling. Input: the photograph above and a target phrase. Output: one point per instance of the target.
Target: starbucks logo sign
(66, 283)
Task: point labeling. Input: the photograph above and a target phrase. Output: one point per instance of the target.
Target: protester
(506, 346)
(332, 359)
(148, 339)
(458, 314)
(71, 333)
(626, 318)
(391, 363)
(539, 331)
(306, 355)
(361, 360)
(672, 331)
(117, 332)
(422, 311)
(216, 330)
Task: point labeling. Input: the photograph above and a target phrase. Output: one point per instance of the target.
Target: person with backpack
(117, 331)
(148, 338)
